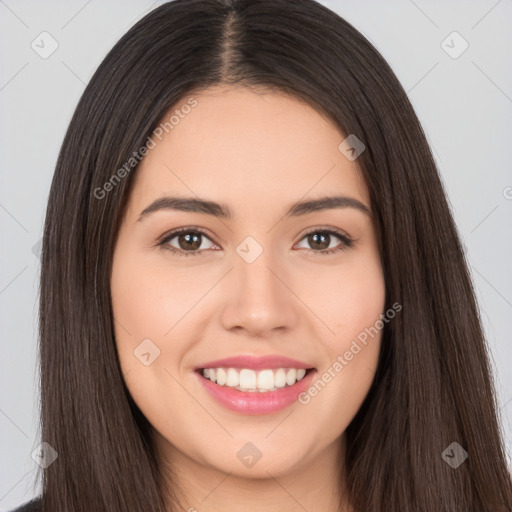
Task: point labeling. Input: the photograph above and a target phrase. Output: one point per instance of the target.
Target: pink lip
(256, 402)
(255, 363)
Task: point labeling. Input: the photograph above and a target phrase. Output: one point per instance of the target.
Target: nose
(259, 300)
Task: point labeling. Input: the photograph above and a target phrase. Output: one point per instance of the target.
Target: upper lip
(255, 362)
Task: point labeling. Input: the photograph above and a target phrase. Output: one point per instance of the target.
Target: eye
(321, 239)
(188, 241)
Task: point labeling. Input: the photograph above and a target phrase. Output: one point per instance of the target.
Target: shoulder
(30, 506)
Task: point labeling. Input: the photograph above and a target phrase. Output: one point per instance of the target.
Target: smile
(246, 379)
(252, 392)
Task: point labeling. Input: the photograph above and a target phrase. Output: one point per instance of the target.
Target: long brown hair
(433, 385)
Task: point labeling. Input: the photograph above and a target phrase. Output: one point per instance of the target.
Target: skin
(258, 153)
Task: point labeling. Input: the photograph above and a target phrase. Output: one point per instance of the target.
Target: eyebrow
(196, 205)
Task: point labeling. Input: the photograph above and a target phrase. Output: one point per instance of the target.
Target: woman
(322, 350)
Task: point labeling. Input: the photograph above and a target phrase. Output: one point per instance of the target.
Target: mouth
(251, 381)
(255, 392)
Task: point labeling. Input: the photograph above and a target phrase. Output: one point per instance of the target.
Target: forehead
(244, 147)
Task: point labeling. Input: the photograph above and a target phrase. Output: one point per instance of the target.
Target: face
(259, 285)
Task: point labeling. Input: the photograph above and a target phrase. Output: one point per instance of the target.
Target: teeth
(280, 378)
(265, 380)
(249, 380)
(221, 376)
(233, 378)
(291, 376)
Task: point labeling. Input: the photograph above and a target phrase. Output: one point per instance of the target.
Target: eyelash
(346, 240)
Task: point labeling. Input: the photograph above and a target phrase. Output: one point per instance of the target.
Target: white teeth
(233, 378)
(291, 376)
(280, 378)
(249, 380)
(266, 379)
(221, 376)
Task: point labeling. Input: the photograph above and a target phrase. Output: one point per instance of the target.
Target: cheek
(355, 300)
(136, 301)
(147, 299)
(146, 305)
(139, 313)
(351, 353)
(153, 301)
(354, 306)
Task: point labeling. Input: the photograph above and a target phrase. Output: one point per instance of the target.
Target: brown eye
(187, 242)
(319, 241)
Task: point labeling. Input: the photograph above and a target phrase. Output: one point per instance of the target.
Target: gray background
(464, 104)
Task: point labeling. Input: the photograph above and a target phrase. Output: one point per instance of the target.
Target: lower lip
(256, 402)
